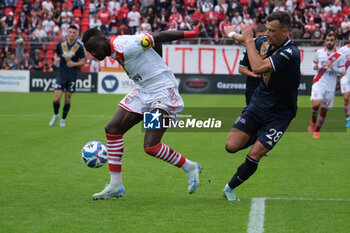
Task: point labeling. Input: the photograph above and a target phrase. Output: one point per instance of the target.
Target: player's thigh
(236, 139)
(317, 94)
(345, 86)
(71, 84)
(246, 126)
(154, 136)
(273, 130)
(328, 100)
(122, 121)
(168, 99)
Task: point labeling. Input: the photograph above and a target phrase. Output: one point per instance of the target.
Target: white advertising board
(14, 80)
(114, 83)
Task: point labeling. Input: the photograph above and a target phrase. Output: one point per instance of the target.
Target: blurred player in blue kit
(274, 102)
(70, 55)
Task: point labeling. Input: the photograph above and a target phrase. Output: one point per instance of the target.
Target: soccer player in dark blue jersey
(274, 102)
(70, 55)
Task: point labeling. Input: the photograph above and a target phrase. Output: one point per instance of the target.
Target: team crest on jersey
(129, 99)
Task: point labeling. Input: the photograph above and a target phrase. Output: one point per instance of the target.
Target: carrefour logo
(110, 83)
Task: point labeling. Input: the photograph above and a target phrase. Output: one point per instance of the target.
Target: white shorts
(140, 101)
(326, 96)
(345, 84)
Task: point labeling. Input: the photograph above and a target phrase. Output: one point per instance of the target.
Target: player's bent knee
(231, 148)
(112, 130)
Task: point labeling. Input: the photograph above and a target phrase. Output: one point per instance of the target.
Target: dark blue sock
(56, 107)
(66, 108)
(243, 172)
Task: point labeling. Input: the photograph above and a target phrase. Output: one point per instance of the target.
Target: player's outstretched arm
(230, 32)
(167, 36)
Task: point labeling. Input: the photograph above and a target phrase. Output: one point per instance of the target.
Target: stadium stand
(27, 25)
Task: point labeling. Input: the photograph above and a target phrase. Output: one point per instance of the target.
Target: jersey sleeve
(283, 58)
(315, 61)
(58, 50)
(137, 45)
(339, 65)
(81, 53)
(244, 62)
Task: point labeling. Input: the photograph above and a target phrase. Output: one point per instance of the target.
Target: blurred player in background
(157, 92)
(328, 63)
(345, 83)
(70, 55)
(274, 102)
(253, 80)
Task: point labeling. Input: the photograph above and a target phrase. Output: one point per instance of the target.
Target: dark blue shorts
(268, 128)
(67, 84)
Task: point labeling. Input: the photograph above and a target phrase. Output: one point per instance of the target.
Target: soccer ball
(94, 154)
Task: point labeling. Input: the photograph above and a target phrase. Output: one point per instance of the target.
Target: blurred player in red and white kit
(157, 91)
(329, 63)
(345, 83)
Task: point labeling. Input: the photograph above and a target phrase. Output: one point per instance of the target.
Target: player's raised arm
(167, 36)
(258, 65)
(230, 32)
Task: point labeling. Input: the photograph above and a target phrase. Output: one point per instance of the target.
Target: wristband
(230, 35)
(191, 34)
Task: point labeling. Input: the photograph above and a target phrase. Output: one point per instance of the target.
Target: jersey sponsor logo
(110, 83)
(151, 120)
(137, 78)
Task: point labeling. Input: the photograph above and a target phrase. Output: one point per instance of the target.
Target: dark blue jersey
(251, 82)
(277, 93)
(67, 52)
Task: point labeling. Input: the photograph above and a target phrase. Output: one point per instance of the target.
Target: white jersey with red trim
(141, 62)
(326, 78)
(346, 51)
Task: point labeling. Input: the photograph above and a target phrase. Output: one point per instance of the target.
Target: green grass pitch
(46, 188)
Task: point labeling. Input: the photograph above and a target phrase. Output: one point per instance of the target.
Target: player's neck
(71, 41)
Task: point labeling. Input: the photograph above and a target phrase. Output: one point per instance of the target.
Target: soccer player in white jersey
(328, 62)
(157, 91)
(345, 84)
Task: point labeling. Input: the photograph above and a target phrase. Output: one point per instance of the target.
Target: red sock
(320, 121)
(346, 109)
(164, 152)
(314, 111)
(115, 146)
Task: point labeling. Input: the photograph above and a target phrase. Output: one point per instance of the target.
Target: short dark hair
(92, 32)
(73, 27)
(261, 28)
(331, 34)
(283, 17)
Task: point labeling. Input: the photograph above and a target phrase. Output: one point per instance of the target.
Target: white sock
(187, 165)
(116, 178)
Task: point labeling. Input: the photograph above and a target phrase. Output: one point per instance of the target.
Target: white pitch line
(256, 216)
(257, 210)
(306, 199)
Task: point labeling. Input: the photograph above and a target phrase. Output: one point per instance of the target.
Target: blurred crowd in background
(30, 29)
